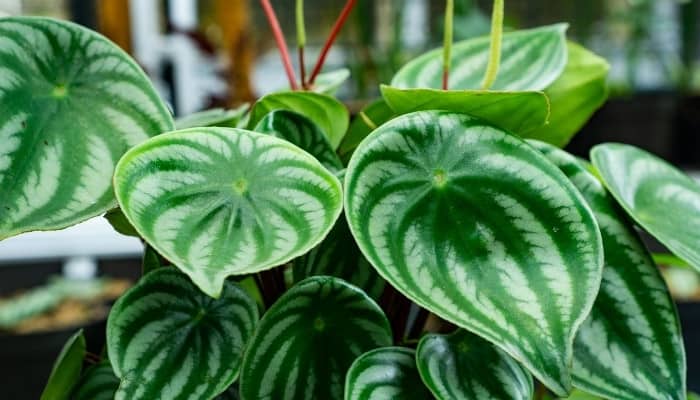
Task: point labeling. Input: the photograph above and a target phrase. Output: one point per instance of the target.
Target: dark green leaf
(462, 366)
(370, 117)
(98, 383)
(307, 340)
(476, 226)
(168, 340)
(116, 218)
(385, 373)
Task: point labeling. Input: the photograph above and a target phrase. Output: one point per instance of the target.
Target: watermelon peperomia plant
(441, 245)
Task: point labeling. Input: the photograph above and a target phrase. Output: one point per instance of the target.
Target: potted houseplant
(457, 213)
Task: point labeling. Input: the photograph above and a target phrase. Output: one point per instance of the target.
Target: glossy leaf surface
(213, 117)
(222, 201)
(578, 92)
(385, 373)
(302, 132)
(478, 227)
(326, 112)
(329, 82)
(530, 60)
(462, 366)
(166, 339)
(66, 369)
(72, 104)
(338, 255)
(308, 339)
(662, 199)
(98, 383)
(630, 347)
(518, 112)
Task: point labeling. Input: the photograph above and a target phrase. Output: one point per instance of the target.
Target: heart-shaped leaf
(662, 199)
(72, 104)
(326, 112)
(369, 118)
(213, 117)
(385, 373)
(630, 347)
(307, 340)
(518, 112)
(530, 60)
(166, 339)
(339, 256)
(478, 227)
(223, 201)
(98, 383)
(574, 96)
(300, 131)
(462, 366)
(66, 370)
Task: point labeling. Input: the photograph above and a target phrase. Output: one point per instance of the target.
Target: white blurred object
(80, 268)
(94, 238)
(10, 7)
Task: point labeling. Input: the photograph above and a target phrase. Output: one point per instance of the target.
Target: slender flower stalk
(281, 44)
(331, 38)
(447, 44)
(301, 40)
(495, 49)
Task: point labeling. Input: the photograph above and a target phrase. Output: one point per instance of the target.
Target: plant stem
(301, 40)
(447, 44)
(331, 38)
(495, 49)
(281, 44)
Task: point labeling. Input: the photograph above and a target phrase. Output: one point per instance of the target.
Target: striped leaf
(339, 256)
(222, 201)
(168, 340)
(518, 112)
(213, 117)
(385, 373)
(307, 340)
(462, 366)
(578, 92)
(98, 383)
(300, 131)
(72, 104)
(369, 118)
(530, 60)
(630, 347)
(326, 112)
(660, 198)
(476, 226)
(66, 370)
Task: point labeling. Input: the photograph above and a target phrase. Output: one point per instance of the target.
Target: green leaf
(370, 117)
(118, 220)
(385, 373)
(462, 366)
(166, 339)
(66, 369)
(476, 226)
(221, 201)
(307, 340)
(300, 131)
(630, 347)
(72, 104)
(339, 256)
(328, 83)
(578, 92)
(326, 112)
(213, 117)
(151, 260)
(518, 112)
(530, 60)
(98, 383)
(662, 199)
